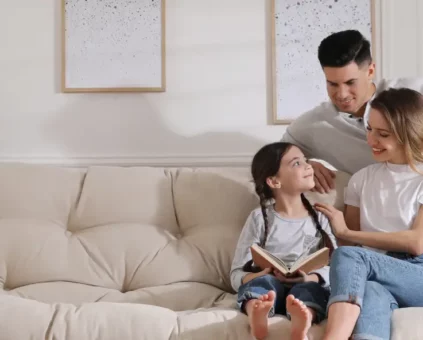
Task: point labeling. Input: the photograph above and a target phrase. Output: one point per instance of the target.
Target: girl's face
(295, 174)
(382, 140)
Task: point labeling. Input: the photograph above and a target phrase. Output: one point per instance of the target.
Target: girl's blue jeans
(311, 293)
(378, 284)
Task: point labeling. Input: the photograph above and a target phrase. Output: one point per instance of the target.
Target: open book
(306, 263)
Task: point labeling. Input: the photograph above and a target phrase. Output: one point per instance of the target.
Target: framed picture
(298, 27)
(113, 45)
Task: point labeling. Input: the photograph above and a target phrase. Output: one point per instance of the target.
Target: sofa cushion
(227, 323)
(110, 321)
(117, 194)
(178, 297)
(211, 205)
(213, 196)
(407, 324)
(27, 319)
(38, 192)
(115, 248)
(34, 251)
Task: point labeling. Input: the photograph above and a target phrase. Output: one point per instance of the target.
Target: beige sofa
(130, 253)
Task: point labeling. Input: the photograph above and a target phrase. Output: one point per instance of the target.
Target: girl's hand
(251, 276)
(300, 277)
(336, 218)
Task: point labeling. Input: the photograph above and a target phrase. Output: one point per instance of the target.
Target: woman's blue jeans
(378, 284)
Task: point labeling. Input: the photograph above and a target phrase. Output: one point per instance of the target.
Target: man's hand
(252, 276)
(300, 277)
(336, 218)
(324, 178)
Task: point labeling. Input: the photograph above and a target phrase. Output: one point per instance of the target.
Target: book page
(264, 259)
(312, 255)
(306, 254)
(279, 261)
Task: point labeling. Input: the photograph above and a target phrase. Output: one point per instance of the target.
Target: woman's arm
(409, 241)
(352, 219)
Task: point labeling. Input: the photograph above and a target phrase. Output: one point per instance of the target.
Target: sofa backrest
(124, 228)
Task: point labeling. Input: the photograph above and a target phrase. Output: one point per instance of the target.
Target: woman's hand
(300, 277)
(251, 276)
(336, 218)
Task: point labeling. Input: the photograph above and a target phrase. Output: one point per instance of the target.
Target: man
(335, 131)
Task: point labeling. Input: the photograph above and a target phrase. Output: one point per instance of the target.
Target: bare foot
(258, 311)
(301, 318)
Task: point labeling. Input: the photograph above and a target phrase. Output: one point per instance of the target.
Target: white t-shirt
(388, 195)
(337, 137)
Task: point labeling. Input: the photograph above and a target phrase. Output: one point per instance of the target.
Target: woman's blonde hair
(403, 109)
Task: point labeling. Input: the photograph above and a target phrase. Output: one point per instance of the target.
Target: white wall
(400, 37)
(217, 107)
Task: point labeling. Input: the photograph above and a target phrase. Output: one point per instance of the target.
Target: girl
(384, 214)
(287, 228)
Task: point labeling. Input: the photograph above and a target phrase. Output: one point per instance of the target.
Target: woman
(384, 214)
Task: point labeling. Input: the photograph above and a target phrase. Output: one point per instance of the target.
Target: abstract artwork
(113, 45)
(298, 27)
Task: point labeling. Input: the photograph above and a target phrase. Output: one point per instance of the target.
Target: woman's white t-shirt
(388, 195)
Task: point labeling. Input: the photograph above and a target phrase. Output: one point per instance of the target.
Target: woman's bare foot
(301, 318)
(258, 311)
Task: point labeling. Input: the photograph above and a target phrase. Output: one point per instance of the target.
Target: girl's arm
(409, 241)
(250, 234)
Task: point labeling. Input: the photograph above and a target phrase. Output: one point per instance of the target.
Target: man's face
(349, 86)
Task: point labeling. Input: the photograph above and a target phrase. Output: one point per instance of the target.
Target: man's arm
(296, 133)
(293, 135)
(300, 131)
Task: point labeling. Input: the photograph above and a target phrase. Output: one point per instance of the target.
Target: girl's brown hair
(403, 109)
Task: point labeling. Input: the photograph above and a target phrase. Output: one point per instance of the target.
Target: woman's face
(380, 137)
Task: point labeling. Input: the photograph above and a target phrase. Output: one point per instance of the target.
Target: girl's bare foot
(301, 318)
(258, 311)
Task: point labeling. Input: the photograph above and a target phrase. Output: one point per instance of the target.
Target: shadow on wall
(98, 125)
(132, 125)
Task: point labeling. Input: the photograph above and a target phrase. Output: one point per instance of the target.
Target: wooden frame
(162, 66)
(276, 118)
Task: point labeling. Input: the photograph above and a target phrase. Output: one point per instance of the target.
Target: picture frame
(298, 82)
(113, 46)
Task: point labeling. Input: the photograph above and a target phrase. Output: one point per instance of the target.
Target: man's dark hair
(341, 48)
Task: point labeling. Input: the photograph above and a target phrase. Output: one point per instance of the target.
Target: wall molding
(203, 160)
(419, 28)
(384, 24)
(377, 38)
(383, 16)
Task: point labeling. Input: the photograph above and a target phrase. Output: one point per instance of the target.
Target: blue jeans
(378, 284)
(311, 293)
